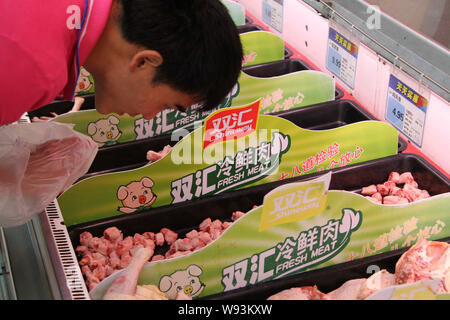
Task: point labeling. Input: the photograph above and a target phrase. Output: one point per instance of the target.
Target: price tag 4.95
(406, 110)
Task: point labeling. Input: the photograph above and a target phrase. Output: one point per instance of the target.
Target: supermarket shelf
(28, 252)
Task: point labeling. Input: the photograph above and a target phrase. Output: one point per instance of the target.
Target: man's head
(158, 54)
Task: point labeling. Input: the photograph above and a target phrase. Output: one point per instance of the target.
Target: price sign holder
(342, 56)
(272, 13)
(406, 109)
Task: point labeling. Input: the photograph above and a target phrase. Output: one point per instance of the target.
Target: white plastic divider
(65, 263)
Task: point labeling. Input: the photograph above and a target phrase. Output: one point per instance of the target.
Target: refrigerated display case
(38, 259)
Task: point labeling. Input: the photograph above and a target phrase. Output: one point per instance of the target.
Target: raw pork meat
(76, 107)
(101, 257)
(359, 289)
(379, 280)
(425, 260)
(391, 191)
(348, 291)
(125, 284)
(153, 156)
(301, 293)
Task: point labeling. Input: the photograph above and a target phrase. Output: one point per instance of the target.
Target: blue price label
(266, 13)
(406, 110)
(272, 13)
(342, 57)
(334, 61)
(395, 113)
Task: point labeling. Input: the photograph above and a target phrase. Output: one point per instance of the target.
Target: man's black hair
(198, 40)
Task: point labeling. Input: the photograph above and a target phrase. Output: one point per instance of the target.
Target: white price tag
(342, 57)
(272, 13)
(406, 110)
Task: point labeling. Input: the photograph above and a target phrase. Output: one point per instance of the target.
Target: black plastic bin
(183, 217)
(329, 115)
(62, 107)
(321, 116)
(281, 67)
(254, 27)
(187, 215)
(249, 28)
(326, 279)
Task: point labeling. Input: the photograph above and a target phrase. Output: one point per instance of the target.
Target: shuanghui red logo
(231, 123)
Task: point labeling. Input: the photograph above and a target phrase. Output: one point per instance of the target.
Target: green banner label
(247, 166)
(261, 47)
(294, 202)
(275, 150)
(236, 11)
(348, 228)
(309, 248)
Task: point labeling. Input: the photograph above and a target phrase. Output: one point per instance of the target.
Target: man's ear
(146, 58)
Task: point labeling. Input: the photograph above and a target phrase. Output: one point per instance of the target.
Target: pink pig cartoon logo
(136, 196)
(84, 83)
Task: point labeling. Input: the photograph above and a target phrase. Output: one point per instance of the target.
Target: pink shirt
(42, 46)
